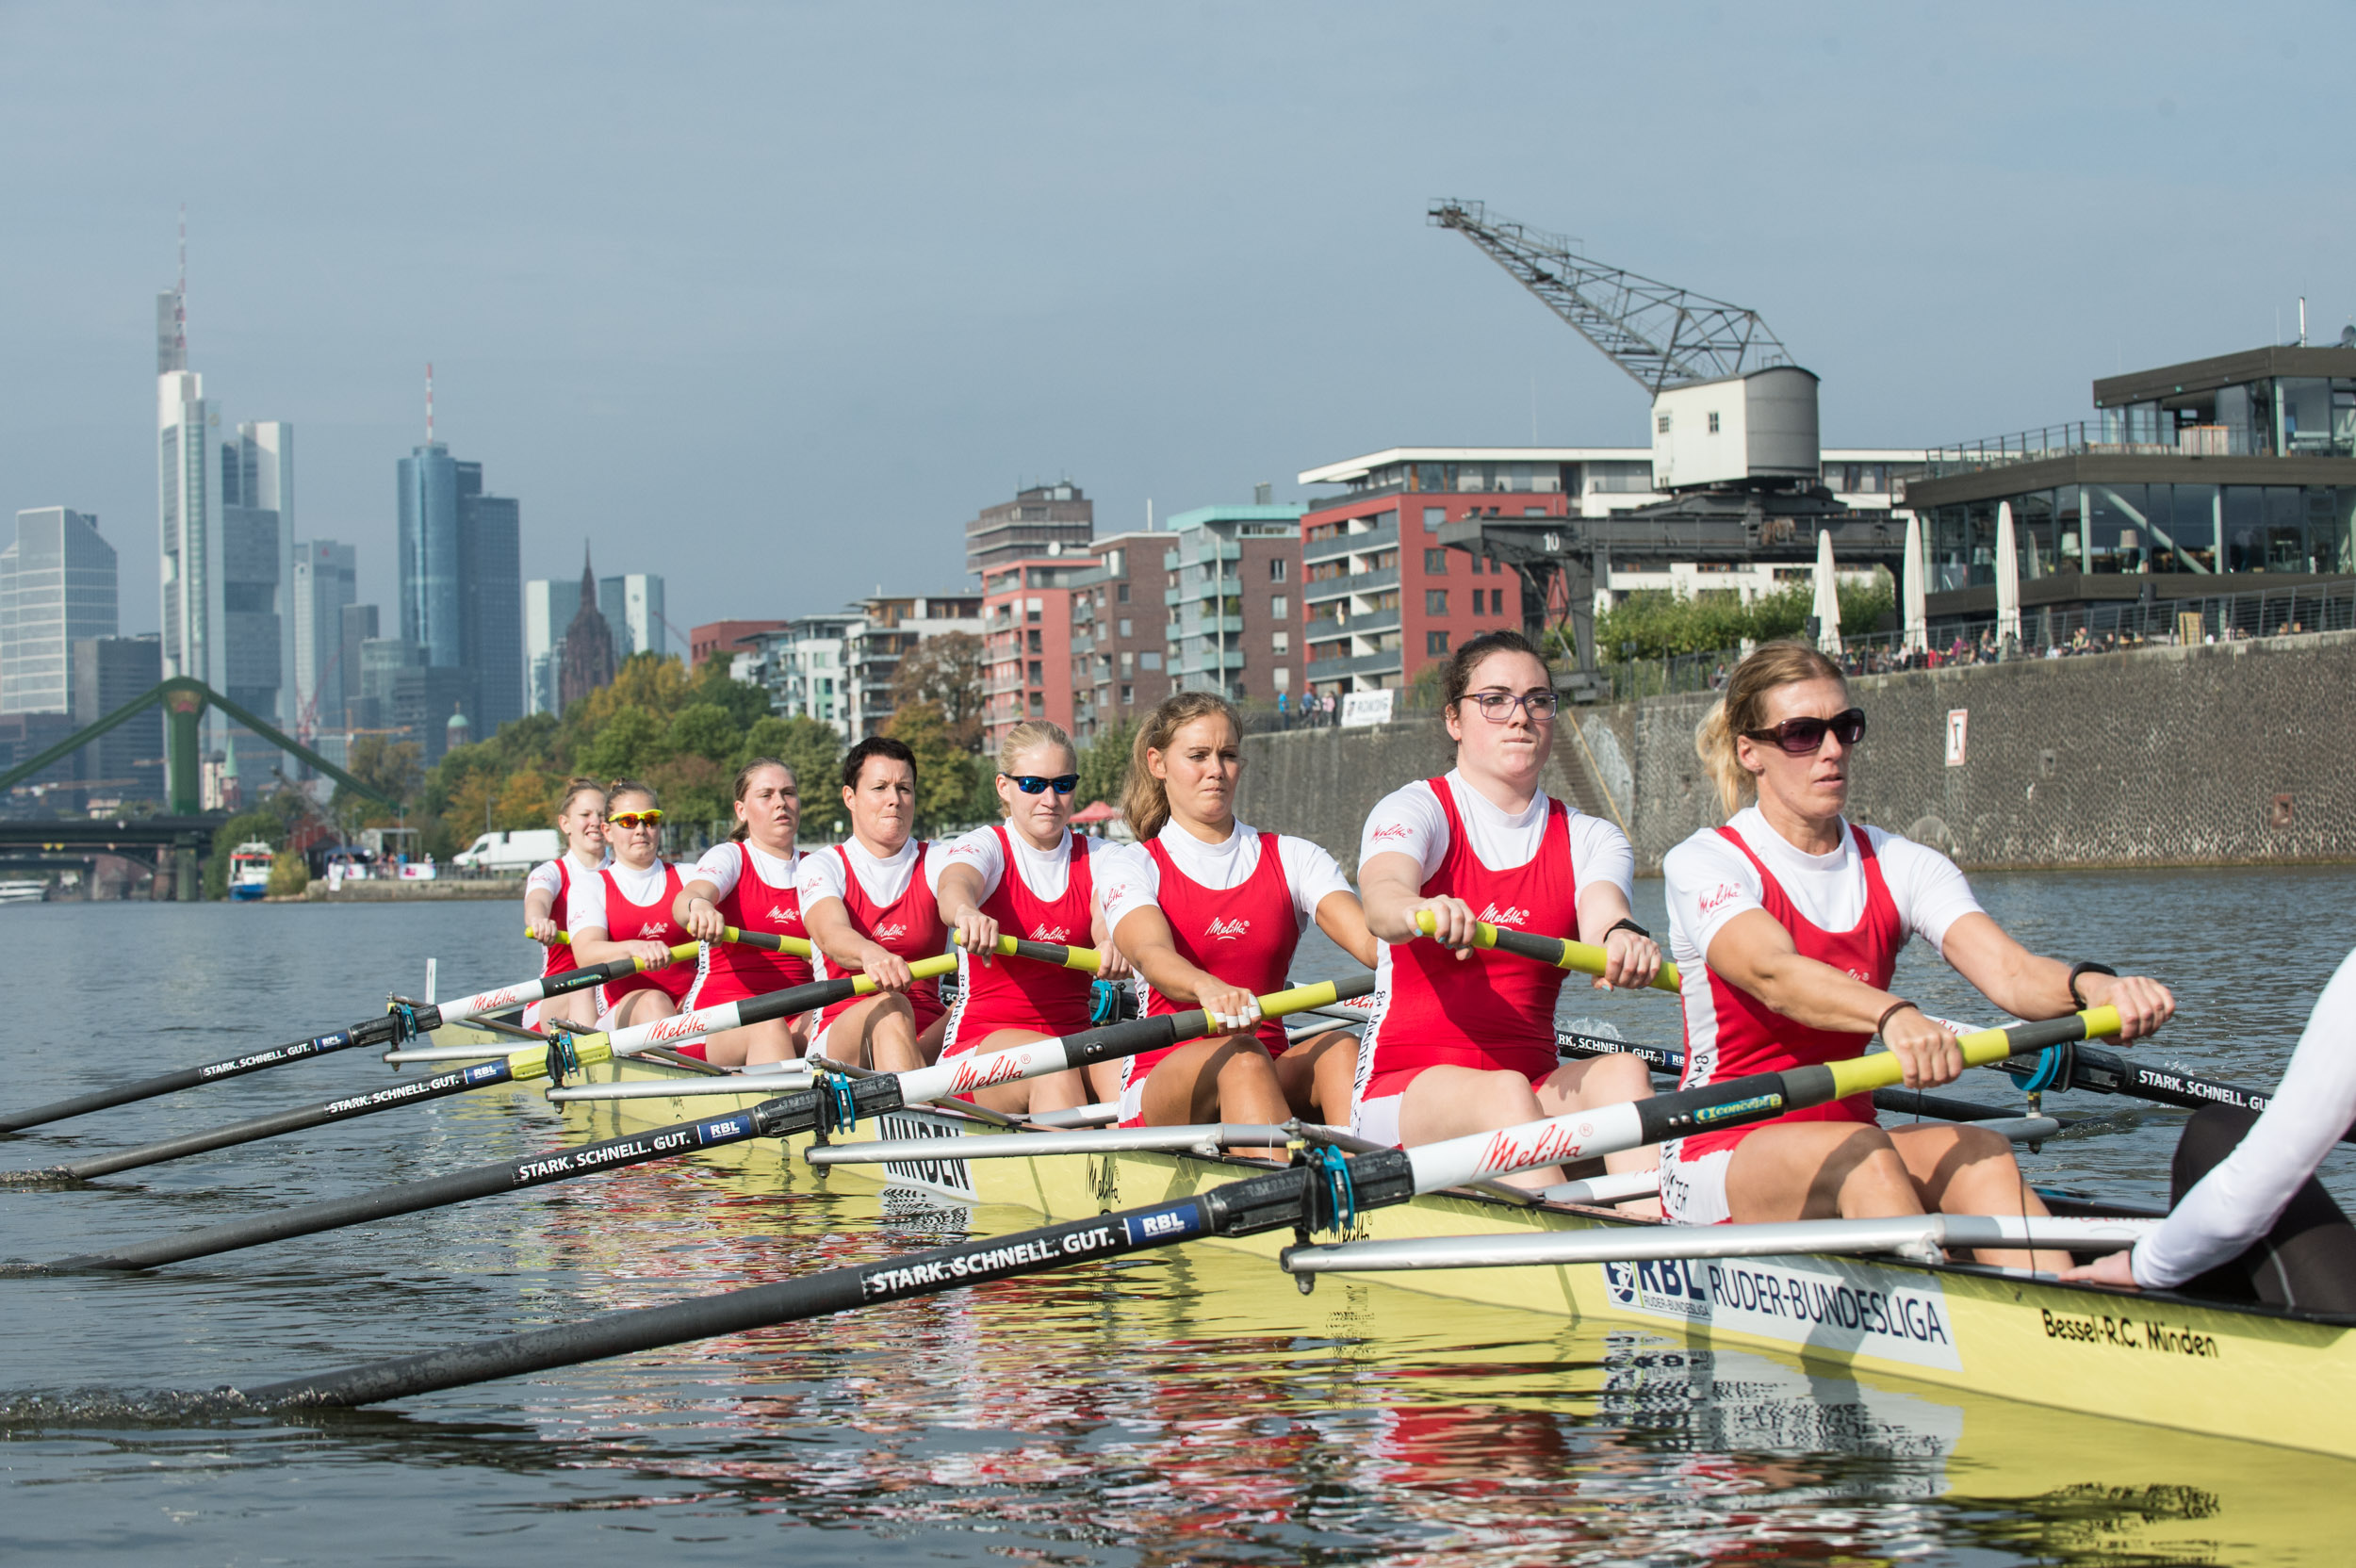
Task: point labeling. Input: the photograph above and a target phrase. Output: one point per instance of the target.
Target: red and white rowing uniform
(755, 891)
(556, 879)
(1493, 1011)
(1852, 908)
(631, 907)
(891, 900)
(1048, 897)
(1235, 909)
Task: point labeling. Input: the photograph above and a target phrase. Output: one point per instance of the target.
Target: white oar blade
(1908, 1235)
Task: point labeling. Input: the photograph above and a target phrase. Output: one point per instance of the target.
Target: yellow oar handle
(1559, 951)
(762, 939)
(1325, 993)
(1045, 953)
(1980, 1048)
(924, 968)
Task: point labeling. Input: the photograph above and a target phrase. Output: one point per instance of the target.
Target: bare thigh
(1818, 1170)
(644, 1007)
(1317, 1075)
(1226, 1078)
(772, 1039)
(576, 1007)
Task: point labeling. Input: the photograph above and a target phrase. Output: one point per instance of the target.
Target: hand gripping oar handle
(516, 1067)
(386, 1029)
(800, 1112)
(1045, 953)
(1560, 952)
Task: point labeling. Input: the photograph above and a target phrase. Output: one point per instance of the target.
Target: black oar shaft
(1896, 1101)
(190, 1077)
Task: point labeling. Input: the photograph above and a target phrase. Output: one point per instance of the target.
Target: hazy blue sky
(770, 300)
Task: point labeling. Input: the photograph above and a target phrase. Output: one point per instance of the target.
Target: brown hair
(1029, 734)
(574, 786)
(1461, 665)
(1146, 802)
(744, 782)
(621, 786)
(1743, 709)
(854, 760)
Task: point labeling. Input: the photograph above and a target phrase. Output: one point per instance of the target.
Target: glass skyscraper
(57, 588)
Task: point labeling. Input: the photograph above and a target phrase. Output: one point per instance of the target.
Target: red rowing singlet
(1493, 1010)
(1753, 1038)
(1022, 993)
(626, 922)
(560, 957)
(731, 971)
(1244, 936)
(909, 927)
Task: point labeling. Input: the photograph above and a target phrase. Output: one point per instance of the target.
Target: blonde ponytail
(1744, 709)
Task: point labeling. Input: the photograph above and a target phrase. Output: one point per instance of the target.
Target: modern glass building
(57, 588)
(462, 585)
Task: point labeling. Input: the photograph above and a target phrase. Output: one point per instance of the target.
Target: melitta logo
(678, 1027)
(980, 1072)
(491, 1002)
(1506, 916)
(784, 916)
(656, 931)
(1505, 1153)
(1050, 934)
(1226, 930)
(1389, 830)
(891, 933)
(1716, 897)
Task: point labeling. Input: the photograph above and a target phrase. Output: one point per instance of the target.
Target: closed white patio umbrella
(1911, 593)
(1827, 609)
(2007, 578)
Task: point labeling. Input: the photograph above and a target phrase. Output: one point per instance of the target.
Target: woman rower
(581, 817)
(1787, 923)
(1032, 878)
(747, 882)
(623, 911)
(1208, 912)
(872, 909)
(2247, 1221)
(1463, 1040)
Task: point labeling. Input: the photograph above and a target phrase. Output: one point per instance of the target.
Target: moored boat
(248, 870)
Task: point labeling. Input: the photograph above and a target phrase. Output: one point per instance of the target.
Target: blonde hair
(576, 785)
(744, 782)
(1022, 738)
(1743, 709)
(1146, 802)
(621, 786)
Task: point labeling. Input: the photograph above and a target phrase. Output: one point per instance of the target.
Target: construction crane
(1661, 335)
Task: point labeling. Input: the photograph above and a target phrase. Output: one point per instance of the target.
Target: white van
(510, 853)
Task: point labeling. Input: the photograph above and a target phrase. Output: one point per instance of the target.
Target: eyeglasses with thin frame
(1031, 783)
(1497, 706)
(1806, 737)
(631, 819)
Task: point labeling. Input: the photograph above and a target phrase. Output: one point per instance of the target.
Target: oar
(768, 940)
(1325, 1193)
(836, 1105)
(1558, 952)
(404, 1023)
(1045, 953)
(564, 1053)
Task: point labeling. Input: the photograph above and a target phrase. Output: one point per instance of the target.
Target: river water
(1185, 1406)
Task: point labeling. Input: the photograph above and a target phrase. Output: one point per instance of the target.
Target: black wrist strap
(2087, 966)
(1627, 925)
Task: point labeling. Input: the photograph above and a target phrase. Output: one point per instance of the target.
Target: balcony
(1351, 544)
(1362, 582)
(1362, 625)
(1363, 663)
(2078, 438)
(1211, 550)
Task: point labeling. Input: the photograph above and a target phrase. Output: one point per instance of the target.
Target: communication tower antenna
(429, 402)
(180, 293)
(1661, 335)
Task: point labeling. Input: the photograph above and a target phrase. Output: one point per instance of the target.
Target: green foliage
(289, 873)
(1104, 765)
(809, 746)
(1660, 624)
(705, 730)
(387, 766)
(944, 771)
(630, 742)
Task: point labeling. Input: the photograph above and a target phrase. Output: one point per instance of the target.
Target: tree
(1658, 625)
(745, 702)
(388, 767)
(630, 743)
(944, 772)
(946, 671)
(810, 747)
(705, 730)
(1105, 764)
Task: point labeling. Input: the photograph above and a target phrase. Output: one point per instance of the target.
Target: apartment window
(1279, 607)
(1122, 593)
(1713, 421)
(1035, 672)
(1128, 663)
(1435, 601)
(1126, 695)
(1284, 678)
(1149, 660)
(1435, 564)
(1038, 705)
(1276, 568)
(1280, 642)
(1435, 642)
(1432, 518)
(1125, 625)
(1661, 424)
(1035, 643)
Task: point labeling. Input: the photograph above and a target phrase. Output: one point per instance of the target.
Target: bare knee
(1616, 1078)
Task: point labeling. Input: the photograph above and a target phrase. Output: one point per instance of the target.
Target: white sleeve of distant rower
(819, 876)
(1602, 854)
(980, 850)
(720, 866)
(1407, 821)
(2239, 1200)
(1928, 888)
(546, 877)
(1311, 874)
(1126, 880)
(1710, 882)
(585, 907)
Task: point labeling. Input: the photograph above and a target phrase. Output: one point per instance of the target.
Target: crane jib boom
(1661, 335)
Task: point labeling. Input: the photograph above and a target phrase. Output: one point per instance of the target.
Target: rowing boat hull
(2159, 1359)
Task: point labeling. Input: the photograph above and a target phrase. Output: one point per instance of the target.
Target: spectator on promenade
(1283, 715)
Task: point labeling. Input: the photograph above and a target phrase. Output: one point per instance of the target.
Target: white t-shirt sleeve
(720, 866)
(1602, 854)
(546, 877)
(585, 907)
(1406, 822)
(1928, 888)
(935, 857)
(1126, 880)
(819, 877)
(1312, 874)
(980, 850)
(1710, 882)
(2245, 1193)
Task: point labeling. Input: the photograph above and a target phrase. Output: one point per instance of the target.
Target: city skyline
(1230, 289)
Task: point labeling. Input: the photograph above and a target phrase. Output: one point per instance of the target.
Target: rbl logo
(1226, 930)
(1506, 916)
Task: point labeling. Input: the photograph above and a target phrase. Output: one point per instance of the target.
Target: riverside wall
(2225, 754)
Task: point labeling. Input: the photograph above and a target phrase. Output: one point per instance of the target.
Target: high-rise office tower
(57, 588)
(257, 579)
(361, 624)
(326, 578)
(633, 606)
(462, 581)
(549, 606)
(128, 762)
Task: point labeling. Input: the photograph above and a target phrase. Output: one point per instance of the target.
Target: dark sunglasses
(1031, 783)
(631, 819)
(1806, 737)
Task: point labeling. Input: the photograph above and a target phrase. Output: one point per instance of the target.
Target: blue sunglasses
(1031, 783)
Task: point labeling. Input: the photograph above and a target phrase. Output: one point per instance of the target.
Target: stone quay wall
(2225, 754)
